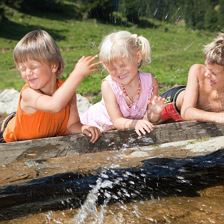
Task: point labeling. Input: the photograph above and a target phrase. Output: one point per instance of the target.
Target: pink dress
(97, 114)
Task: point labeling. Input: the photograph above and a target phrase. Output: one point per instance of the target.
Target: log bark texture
(41, 183)
(113, 140)
(157, 177)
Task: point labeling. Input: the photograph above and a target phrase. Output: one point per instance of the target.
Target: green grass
(174, 48)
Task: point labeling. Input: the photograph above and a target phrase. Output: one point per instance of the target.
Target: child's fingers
(143, 130)
(90, 135)
(138, 132)
(150, 125)
(90, 59)
(87, 132)
(94, 66)
(146, 128)
(94, 135)
(81, 58)
(97, 135)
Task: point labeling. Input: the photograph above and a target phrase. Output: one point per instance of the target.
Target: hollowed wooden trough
(58, 173)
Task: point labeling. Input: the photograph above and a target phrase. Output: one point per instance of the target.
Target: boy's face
(36, 74)
(215, 74)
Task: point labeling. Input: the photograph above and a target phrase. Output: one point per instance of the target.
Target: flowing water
(126, 196)
(206, 208)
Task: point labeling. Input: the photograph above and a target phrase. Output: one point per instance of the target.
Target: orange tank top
(39, 124)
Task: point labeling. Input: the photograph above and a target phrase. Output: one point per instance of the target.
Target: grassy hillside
(174, 48)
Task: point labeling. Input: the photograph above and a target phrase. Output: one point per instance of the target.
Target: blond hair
(123, 44)
(214, 51)
(38, 45)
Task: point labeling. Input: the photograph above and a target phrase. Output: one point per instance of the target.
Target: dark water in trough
(206, 208)
(161, 190)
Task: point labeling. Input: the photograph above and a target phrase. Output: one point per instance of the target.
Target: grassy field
(174, 48)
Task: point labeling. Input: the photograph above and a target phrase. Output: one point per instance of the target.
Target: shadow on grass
(15, 31)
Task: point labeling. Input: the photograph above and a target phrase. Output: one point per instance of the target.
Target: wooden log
(156, 177)
(113, 140)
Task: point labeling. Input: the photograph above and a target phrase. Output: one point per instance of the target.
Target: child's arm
(141, 126)
(155, 105)
(35, 100)
(74, 125)
(189, 110)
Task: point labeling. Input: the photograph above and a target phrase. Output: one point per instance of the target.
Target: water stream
(148, 194)
(207, 208)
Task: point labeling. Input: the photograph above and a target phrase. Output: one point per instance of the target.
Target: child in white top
(126, 91)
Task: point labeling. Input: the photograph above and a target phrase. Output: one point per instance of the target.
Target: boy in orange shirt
(47, 106)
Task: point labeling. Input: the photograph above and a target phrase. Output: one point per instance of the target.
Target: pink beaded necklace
(131, 100)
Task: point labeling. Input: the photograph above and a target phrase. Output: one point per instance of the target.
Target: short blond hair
(40, 46)
(214, 51)
(123, 44)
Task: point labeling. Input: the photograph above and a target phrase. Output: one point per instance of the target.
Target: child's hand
(143, 127)
(85, 66)
(156, 105)
(92, 132)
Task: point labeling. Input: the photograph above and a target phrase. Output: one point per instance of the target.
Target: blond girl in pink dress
(128, 95)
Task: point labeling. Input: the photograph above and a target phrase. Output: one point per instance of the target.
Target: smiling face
(35, 47)
(124, 70)
(215, 74)
(36, 74)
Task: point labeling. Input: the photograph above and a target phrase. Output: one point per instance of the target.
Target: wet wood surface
(113, 140)
(58, 173)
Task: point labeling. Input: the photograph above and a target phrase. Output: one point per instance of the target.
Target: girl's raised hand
(156, 105)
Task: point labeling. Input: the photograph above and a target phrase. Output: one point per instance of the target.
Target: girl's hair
(40, 46)
(214, 51)
(123, 44)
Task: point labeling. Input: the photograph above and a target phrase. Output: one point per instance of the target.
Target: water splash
(107, 180)
(89, 208)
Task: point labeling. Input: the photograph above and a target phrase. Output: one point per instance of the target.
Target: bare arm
(37, 101)
(189, 110)
(155, 105)
(74, 125)
(155, 86)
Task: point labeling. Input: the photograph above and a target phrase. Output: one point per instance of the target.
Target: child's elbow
(55, 107)
(185, 115)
